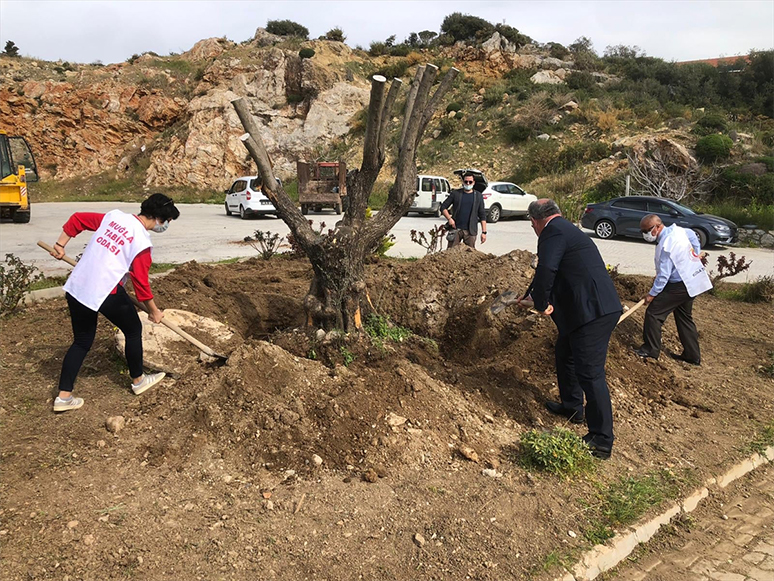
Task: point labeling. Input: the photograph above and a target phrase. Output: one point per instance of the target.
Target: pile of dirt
(305, 445)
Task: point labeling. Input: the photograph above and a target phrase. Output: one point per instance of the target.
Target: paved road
(206, 234)
(730, 539)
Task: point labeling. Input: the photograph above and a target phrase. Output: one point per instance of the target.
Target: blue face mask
(159, 228)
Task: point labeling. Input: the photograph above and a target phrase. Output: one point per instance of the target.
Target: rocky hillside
(558, 121)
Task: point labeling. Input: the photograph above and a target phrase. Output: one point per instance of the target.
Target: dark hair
(469, 174)
(540, 209)
(161, 207)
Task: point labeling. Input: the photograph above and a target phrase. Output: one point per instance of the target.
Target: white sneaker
(70, 403)
(148, 380)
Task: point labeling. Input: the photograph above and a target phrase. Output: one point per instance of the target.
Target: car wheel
(701, 236)
(242, 212)
(605, 229)
(228, 212)
(437, 213)
(304, 209)
(21, 216)
(337, 208)
(494, 214)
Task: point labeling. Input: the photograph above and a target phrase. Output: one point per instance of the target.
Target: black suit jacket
(571, 275)
(477, 213)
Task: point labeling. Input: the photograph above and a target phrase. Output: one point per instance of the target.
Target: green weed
(347, 355)
(764, 437)
(380, 327)
(558, 451)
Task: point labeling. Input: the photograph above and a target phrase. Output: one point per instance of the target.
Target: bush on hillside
(377, 49)
(710, 123)
(400, 50)
(336, 34)
(516, 133)
(512, 35)
(306, 53)
(459, 26)
(453, 106)
(580, 80)
(287, 28)
(557, 51)
(713, 148)
(396, 69)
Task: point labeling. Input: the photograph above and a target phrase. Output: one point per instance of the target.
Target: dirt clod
(115, 424)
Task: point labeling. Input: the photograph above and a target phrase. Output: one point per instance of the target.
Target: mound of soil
(316, 456)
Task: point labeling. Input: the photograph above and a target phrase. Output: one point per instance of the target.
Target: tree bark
(338, 297)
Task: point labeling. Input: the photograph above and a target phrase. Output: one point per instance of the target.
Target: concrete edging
(602, 558)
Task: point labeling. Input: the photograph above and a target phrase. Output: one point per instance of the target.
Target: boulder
(546, 78)
(264, 38)
(207, 49)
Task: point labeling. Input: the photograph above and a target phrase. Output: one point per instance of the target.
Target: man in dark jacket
(467, 211)
(572, 285)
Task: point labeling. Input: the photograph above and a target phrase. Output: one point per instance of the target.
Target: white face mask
(159, 228)
(467, 187)
(649, 236)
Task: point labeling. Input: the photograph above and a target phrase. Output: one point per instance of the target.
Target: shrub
(380, 327)
(453, 106)
(557, 51)
(516, 133)
(712, 123)
(712, 148)
(494, 95)
(377, 48)
(607, 188)
(460, 26)
(306, 53)
(336, 34)
(582, 152)
(293, 98)
(385, 244)
(580, 80)
(287, 28)
(400, 50)
(395, 69)
(15, 280)
(11, 49)
(432, 241)
(559, 452)
(448, 125)
(266, 243)
(761, 290)
(512, 35)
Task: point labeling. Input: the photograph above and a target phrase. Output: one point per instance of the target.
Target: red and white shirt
(120, 245)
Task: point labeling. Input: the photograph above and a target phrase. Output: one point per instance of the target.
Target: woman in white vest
(120, 246)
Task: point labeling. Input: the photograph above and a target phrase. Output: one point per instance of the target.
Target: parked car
(430, 194)
(501, 199)
(246, 198)
(621, 217)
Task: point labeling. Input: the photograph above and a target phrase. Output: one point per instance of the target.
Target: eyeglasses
(468, 182)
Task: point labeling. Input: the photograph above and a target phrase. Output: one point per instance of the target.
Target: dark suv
(621, 217)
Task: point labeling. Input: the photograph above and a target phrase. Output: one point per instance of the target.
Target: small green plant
(558, 451)
(764, 437)
(386, 243)
(453, 106)
(712, 148)
(380, 327)
(306, 53)
(266, 243)
(432, 241)
(760, 290)
(347, 356)
(710, 123)
(15, 280)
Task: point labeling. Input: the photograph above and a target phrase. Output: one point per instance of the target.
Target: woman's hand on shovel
(154, 313)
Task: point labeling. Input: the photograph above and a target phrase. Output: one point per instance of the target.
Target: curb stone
(602, 558)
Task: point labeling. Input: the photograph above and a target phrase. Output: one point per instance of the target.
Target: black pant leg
(589, 345)
(686, 330)
(657, 312)
(120, 311)
(84, 323)
(570, 391)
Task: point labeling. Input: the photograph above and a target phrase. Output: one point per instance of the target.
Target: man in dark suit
(467, 211)
(572, 286)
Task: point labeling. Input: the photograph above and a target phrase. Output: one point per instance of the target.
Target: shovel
(170, 325)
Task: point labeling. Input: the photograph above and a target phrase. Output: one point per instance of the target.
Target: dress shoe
(644, 354)
(597, 450)
(682, 358)
(558, 409)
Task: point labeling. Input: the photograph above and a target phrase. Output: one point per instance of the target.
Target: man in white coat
(680, 276)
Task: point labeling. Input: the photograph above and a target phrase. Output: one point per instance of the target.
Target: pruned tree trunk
(338, 297)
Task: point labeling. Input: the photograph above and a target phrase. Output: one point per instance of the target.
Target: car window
(240, 186)
(631, 205)
(659, 208)
(498, 188)
(437, 184)
(684, 210)
(256, 184)
(427, 185)
(446, 186)
(515, 190)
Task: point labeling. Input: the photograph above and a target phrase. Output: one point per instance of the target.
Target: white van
(246, 198)
(431, 192)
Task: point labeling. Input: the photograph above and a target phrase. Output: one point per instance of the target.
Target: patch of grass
(558, 452)
(347, 355)
(764, 437)
(760, 290)
(380, 327)
(157, 267)
(741, 214)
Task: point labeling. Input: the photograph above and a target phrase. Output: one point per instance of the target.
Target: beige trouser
(463, 236)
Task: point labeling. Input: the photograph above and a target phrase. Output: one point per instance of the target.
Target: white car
(246, 198)
(430, 194)
(501, 199)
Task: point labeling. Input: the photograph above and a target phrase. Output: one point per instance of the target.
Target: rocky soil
(311, 456)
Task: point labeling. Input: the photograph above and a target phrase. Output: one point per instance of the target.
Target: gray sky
(111, 31)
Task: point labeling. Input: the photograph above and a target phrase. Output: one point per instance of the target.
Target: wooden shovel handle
(630, 311)
(169, 324)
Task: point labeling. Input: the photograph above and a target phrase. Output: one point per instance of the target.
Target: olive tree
(338, 296)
